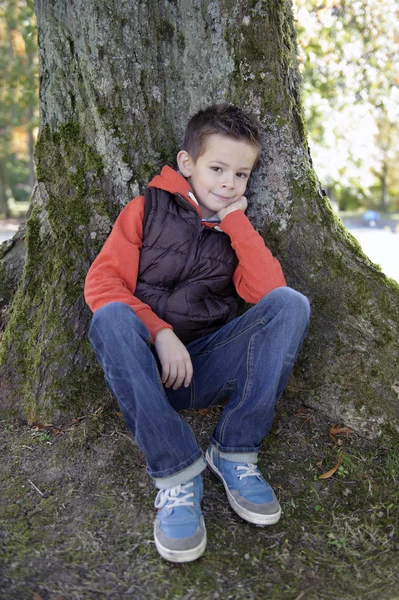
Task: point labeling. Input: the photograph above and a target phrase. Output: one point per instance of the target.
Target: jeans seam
(249, 371)
(245, 393)
(230, 339)
(192, 393)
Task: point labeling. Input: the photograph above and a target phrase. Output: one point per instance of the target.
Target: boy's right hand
(240, 204)
(175, 359)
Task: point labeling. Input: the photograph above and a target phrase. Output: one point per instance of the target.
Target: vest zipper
(193, 250)
(162, 302)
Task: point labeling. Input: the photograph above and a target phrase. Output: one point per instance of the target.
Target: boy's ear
(185, 163)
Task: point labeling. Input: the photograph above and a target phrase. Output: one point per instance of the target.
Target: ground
(76, 513)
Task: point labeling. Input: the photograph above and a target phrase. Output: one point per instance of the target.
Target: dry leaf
(319, 463)
(335, 430)
(37, 596)
(204, 411)
(331, 472)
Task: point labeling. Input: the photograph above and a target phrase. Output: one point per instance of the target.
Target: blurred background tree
(19, 103)
(349, 59)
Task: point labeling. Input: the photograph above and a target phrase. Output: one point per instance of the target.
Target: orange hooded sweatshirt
(113, 275)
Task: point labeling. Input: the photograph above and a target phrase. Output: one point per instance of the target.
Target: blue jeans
(249, 361)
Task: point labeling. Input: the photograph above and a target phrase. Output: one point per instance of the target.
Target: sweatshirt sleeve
(257, 272)
(113, 275)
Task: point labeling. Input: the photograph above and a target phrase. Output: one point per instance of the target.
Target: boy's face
(220, 175)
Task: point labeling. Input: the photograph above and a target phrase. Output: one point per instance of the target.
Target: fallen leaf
(331, 472)
(40, 426)
(204, 411)
(335, 430)
(319, 463)
(37, 596)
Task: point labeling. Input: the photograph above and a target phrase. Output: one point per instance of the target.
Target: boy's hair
(221, 119)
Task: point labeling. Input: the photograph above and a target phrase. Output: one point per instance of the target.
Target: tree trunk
(384, 187)
(118, 82)
(4, 210)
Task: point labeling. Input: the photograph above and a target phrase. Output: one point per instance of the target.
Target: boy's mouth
(222, 198)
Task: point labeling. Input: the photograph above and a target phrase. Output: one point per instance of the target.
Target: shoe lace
(175, 496)
(250, 470)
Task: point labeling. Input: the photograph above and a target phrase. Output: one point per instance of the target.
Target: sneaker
(247, 491)
(179, 528)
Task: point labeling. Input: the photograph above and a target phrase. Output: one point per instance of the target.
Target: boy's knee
(115, 315)
(298, 301)
(293, 301)
(112, 310)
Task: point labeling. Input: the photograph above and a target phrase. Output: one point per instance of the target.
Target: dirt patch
(76, 514)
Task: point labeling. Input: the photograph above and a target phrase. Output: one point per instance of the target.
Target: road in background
(7, 228)
(381, 246)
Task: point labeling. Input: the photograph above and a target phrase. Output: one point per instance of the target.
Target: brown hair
(220, 119)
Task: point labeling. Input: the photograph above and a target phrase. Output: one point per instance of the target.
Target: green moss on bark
(41, 337)
(263, 65)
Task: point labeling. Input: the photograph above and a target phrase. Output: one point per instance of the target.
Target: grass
(86, 532)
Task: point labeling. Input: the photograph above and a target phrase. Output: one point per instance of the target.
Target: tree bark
(118, 82)
(4, 210)
(384, 186)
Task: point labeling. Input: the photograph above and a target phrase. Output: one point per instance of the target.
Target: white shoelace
(175, 497)
(250, 469)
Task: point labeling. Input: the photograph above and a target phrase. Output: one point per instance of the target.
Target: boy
(167, 335)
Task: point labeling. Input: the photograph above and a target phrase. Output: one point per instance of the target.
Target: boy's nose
(228, 181)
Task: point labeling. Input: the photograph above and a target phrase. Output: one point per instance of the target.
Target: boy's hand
(240, 204)
(174, 358)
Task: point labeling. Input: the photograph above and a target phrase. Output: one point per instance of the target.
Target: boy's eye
(216, 169)
(242, 175)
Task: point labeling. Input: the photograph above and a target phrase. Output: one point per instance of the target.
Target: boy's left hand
(240, 204)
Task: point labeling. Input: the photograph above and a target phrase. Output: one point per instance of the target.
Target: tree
(349, 61)
(18, 99)
(118, 83)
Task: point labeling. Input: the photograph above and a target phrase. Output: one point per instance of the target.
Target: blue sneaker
(179, 528)
(247, 491)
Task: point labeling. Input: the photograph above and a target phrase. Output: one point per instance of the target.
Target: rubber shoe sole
(256, 519)
(181, 556)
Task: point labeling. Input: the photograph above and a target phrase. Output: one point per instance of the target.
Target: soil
(76, 514)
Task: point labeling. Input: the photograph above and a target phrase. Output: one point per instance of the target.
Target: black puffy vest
(185, 270)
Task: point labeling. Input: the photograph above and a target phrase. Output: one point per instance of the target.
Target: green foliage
(349, 61)
(19, 109)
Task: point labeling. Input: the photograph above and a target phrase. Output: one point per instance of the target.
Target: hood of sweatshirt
(172, 181)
